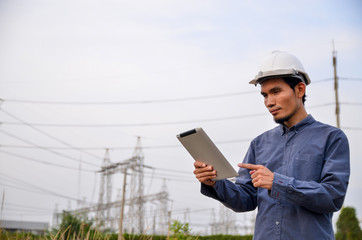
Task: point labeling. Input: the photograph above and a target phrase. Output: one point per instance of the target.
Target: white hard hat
(281, 64)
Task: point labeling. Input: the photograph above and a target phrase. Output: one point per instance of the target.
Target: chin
(281, 120)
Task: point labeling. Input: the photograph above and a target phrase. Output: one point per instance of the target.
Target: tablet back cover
(202, 149)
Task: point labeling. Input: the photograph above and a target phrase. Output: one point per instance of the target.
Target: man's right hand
(204, 173)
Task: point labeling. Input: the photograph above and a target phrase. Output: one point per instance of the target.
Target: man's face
(280, 99)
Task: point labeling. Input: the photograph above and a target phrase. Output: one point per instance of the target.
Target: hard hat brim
(262, 76)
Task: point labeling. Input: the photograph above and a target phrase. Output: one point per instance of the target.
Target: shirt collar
(299, 126)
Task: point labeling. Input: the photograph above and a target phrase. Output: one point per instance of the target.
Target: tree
(180, 231)
(73, 227)
(348, 226)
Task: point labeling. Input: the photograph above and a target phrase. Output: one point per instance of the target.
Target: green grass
(5, 235)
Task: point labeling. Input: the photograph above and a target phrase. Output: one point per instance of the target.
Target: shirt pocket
(307, 167)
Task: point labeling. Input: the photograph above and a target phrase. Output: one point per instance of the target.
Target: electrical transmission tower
(136, 208)
(163, 211)
(108, 213)
(104, 212)
(226, 223)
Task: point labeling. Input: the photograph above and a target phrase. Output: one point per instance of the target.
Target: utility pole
(336, 85)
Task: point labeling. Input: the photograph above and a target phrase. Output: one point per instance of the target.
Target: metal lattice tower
(56, 221)
(104, 213)
(226, 223)
(163, 211)
(136, 208)
(109, 185)
(107, 212)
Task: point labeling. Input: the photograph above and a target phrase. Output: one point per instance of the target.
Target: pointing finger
(250, 166)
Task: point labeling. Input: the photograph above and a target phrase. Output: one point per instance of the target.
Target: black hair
(292, 82)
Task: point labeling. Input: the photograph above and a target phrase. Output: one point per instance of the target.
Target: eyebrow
(271, 90)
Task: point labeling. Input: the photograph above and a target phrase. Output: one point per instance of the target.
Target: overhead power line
(21, 208)
(350, 78)
(340, 78)
(44, 162)
(137, 124)
(156, 123)
(31, 187)
(352, 128)
(44, 148)
(323, 80)
(48, 135)
(150, 101)
(120, 147)
(28, 212)
(130, 102)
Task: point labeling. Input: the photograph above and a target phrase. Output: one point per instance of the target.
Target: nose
(269, 101)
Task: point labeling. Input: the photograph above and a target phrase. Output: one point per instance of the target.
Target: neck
(296, 118)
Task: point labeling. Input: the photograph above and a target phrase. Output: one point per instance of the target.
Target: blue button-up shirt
(311, 169)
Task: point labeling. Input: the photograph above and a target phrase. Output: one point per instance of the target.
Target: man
(297, 173)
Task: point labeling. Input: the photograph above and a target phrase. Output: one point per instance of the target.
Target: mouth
(274, 111)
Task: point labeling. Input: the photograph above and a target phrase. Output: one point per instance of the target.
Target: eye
(276, 91)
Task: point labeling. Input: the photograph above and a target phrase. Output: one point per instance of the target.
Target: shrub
(348, 226)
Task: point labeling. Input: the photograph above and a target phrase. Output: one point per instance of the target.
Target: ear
(300, 89)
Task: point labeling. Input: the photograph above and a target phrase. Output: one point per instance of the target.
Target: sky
(79, 77)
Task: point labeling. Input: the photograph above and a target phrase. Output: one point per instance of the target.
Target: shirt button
(277, 223)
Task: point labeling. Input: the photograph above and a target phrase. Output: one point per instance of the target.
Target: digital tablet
(202, 149)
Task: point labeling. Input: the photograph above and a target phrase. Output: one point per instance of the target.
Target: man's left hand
(260, 175)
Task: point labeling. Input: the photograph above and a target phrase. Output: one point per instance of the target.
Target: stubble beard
(282, 120)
